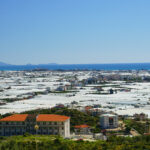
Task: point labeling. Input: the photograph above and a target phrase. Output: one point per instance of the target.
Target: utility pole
(36, 127)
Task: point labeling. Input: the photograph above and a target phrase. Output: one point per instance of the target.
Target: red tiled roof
(51, 117)
(146, 133)
(16, 117)
(88, 107)
(82, 126)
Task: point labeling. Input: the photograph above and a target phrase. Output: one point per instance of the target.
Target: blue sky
(74, 31)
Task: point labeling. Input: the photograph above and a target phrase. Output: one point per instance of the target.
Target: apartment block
(108, 121)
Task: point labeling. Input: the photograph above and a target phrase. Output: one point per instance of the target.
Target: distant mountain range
(54, 66)
(5, 64)
(48, 64)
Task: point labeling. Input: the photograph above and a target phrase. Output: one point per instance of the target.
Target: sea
(61, 67)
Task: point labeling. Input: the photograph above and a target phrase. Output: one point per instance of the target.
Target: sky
(74, 31)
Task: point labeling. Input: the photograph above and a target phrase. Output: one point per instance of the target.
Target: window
(111, 121)
(41, 123)
(44, 123)
(56, 131)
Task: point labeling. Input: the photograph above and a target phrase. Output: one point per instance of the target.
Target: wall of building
(105, 121)
(67, 128)
(50, 128)
(12, 128)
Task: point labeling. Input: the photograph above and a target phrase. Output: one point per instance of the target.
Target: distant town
(88, 105)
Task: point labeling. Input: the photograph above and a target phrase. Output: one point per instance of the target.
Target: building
(59, 106)
(108, 121)
(111, 91)
(48, 124)
(96, 111)
(140, 117)
(61, 89)
(82, 129)
(99, 136)
(87, 109)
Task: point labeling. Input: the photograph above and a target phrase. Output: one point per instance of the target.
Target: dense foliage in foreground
(39, 142)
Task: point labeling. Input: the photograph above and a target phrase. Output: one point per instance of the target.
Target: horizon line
(76, 63)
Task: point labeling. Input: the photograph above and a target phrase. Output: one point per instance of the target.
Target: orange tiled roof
(82, 126)
(51, 117)
(16, 117)
(88, 107)
(146, 133)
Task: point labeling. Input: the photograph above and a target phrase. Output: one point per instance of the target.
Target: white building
(108, 121)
